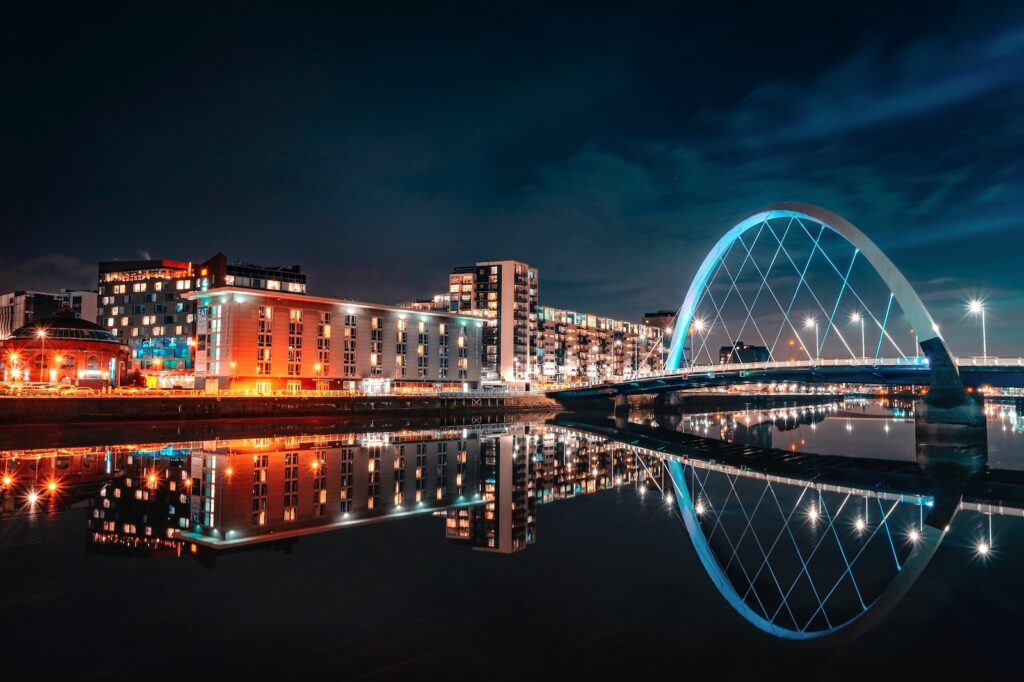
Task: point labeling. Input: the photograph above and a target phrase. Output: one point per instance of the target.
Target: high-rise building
(19, 308)
(505, 294)
(143, 303)
(276, 341)
(574, 348)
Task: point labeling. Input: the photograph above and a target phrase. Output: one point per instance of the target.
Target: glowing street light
(977, 307)
(813, 322)
(860, 525)
(914, 535)
(857, 318)
(41, 335)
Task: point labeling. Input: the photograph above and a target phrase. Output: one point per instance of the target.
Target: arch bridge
(814, 290)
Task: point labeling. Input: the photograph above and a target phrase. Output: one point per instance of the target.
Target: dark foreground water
(527, 549)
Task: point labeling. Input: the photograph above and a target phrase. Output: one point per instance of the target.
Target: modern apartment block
(143, 303)
(505, 294)
(19, 308)
(574, 348)
(265, 342)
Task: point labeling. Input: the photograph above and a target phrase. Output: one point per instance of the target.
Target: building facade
(504, 293)
(575, 348)
(144, 303)
(63, 350)
(268, 342)
(19, 308)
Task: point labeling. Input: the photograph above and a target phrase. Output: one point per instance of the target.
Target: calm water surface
(550, 546)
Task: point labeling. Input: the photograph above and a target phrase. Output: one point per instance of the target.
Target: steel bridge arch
(912, 568)
(929, 337)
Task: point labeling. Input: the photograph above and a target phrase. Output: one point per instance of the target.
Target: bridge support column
(952, 446)
(621, 406)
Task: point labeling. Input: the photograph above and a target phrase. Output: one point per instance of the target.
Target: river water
(537, 546)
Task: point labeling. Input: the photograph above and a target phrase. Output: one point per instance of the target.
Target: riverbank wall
(58, 410)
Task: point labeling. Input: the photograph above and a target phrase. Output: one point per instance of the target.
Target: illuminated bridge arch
(813, 222)
(799, 563)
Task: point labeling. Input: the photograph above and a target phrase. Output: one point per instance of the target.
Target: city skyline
(620, 142)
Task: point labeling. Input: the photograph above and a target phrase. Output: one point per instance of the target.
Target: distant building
(505, 293)
(574, 348)
(63, 350)
(267, 342)
(143, 303)
(19, 308)
(741, 352)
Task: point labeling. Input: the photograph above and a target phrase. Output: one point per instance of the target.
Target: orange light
(230, 471)
(188, 482)
(202, 272)
(52, 486)
(152, 479)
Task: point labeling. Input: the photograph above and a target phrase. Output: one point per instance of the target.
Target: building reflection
(209, 497)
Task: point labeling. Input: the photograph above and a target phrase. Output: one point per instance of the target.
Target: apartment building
(267, 342)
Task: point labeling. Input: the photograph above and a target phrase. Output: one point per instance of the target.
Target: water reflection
(803, 545)
(209, 497)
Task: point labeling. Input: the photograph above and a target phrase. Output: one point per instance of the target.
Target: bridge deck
(997, 372)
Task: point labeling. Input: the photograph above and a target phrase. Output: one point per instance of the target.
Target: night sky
(380, 145)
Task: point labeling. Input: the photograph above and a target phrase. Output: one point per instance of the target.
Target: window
(323, 343)
(349, 349)
(264, 338)
(294, 342)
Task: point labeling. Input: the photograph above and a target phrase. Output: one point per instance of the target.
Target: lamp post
(856, 318)
(41, 334)
(698, 326)
(977, 307)
(813, 322)
(917, 349)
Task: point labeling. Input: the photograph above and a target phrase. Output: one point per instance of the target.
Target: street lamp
(813, 322)
(977, 307)
(41, 334)
(698, 326)
(856, 318)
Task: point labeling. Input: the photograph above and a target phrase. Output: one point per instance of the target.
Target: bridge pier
(952, 446)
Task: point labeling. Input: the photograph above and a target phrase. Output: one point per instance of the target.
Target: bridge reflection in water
(803, 546)
(808, 546)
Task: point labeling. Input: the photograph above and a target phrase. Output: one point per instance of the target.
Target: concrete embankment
(40, 410)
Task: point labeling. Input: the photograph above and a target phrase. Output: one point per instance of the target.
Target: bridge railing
(709, 369)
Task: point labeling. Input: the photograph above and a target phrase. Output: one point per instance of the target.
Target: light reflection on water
(855, 427)
(796, 550)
